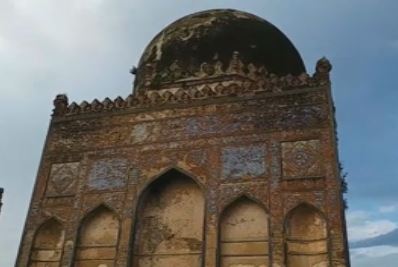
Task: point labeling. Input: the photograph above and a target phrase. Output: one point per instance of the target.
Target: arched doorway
(306, 238)
(48, 244)
(98, 238)
(170, 223)
(244, 235)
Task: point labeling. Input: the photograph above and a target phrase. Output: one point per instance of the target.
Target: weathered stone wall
(277, 150)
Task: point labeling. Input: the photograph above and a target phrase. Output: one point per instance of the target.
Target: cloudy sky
(86, 48)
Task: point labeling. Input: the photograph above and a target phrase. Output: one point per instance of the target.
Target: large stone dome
(214, 36)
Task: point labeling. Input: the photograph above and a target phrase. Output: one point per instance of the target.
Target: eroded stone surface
(170, 227)
(244, 235)
(48, 244)
(306, 231)
(98, 239)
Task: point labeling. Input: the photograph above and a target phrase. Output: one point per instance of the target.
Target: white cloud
(373, 252)
(361, 226)
(388, 208)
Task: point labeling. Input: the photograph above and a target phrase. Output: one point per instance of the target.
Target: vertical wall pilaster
(276, 207)
(211, 241)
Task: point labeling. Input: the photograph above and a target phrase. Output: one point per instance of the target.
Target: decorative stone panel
(243, 161)
(63, 177)
(301, 159)
(106, 174)
(206, 126)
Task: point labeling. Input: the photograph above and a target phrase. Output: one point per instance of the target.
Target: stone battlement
(235, 82)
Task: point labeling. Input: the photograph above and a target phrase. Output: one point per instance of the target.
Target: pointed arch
(170, 171)
(98, 238)
(244, 234)
(169, 229)
(102, 206)
(48, 244)
(306, 237)
(244, 195)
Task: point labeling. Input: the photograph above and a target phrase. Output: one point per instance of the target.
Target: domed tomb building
(224, 155)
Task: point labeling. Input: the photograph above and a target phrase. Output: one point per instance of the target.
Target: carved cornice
(236, 83)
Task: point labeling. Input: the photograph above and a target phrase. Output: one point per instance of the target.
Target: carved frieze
(218, 125)
(211, 82)
(301, 159)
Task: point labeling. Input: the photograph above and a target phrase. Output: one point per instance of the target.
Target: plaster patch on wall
(244, 161)
(108, 174)
(144, 132)
(301, 159)
(63, 177)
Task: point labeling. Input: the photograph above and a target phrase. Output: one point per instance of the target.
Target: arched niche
(244, 235)
(98, 238)
(169, 229)
(48, 244)
(306, 238)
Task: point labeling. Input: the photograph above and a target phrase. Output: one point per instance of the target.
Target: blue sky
(85, 48)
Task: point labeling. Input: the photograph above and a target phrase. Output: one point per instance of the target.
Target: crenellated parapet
(176, 74)
(211, 83)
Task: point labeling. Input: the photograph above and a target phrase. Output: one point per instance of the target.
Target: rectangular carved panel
(301, 159)
(63, 177)
(243, 161)
(108, 174)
